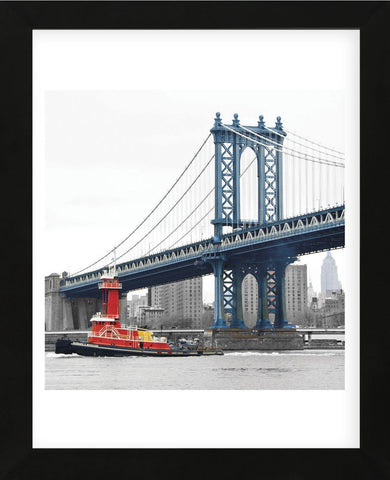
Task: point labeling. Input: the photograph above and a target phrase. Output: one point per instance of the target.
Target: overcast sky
(124, 112)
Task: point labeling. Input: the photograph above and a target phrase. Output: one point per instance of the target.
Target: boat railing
(117, 286)
(110, 331)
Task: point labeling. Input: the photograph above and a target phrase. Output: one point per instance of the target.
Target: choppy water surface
(292, 370)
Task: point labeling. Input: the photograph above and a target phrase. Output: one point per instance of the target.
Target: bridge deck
(314, 232)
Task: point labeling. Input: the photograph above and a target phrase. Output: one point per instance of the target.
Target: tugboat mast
(110, 287)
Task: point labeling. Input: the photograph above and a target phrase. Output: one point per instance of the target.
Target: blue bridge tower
(230, 142)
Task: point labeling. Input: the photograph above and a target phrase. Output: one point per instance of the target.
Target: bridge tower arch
(230, 141)
(267, 143)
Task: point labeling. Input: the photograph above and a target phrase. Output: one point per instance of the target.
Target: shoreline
(81, 335)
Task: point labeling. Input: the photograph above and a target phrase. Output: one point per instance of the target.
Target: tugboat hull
(91, 350)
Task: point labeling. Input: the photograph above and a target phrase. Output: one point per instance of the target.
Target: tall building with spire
(310, 293)
(329, 276)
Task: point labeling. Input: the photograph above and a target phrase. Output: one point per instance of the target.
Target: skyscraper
(296, 292)
(182, 301)
(250, 299)
(329, 276)
(310, 293)
(134, 304)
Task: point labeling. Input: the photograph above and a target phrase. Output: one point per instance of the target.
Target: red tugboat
(109, 339)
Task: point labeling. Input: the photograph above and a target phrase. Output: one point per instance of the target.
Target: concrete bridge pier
(67, 314)
(54, 304)
(80, 310)
(77, 313)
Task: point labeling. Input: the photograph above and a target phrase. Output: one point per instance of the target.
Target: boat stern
(63, 346)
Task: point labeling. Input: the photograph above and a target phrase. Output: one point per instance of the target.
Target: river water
(287, 370)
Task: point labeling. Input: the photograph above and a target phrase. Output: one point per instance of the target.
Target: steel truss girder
(228, 291)
(271, 290)
(270, 186)
(227, 188)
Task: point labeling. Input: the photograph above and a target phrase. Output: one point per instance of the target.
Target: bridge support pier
(271, 293)
(81, 313)
(263, 322)
(217, 262)
(237, 320)
(58, 309)
(280, 310)
(67, 314)
(83, 309)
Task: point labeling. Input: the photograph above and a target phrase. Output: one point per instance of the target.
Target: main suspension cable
(314, 143)
(150, 213)
(169, 211)
(288, 148)
(183, 222)
(328, 162)
(188, 231)
(306, 140)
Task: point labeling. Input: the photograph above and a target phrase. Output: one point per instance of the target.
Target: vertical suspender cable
(320, 187)
(306, 166)
(285, 189)
(313, 186)
(294, 189)
(299, 186)
(327, 186)
(290, 184)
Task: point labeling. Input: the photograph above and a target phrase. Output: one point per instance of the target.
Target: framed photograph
(165, 139)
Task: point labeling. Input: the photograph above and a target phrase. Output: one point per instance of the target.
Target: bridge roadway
(304, 234)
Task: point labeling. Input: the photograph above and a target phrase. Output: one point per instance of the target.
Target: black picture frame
(17, 21)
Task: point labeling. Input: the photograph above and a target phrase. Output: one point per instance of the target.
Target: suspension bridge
(250, 201)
